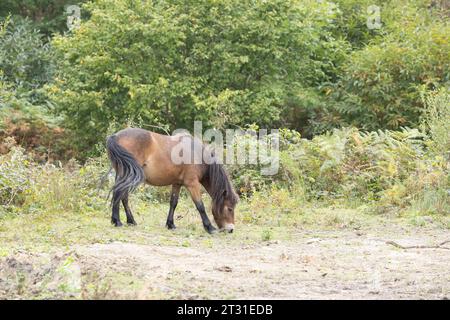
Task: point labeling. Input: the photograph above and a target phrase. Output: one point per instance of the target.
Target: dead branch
(438, 246)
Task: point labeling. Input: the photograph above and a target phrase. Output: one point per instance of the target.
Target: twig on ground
(438, 246)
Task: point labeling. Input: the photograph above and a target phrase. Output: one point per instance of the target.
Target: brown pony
(138, 156)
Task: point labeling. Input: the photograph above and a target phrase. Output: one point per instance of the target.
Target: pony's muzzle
(229, 227)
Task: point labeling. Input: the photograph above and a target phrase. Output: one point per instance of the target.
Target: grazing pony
(139, 156)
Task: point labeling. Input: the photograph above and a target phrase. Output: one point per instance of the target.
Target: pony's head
(224, 198)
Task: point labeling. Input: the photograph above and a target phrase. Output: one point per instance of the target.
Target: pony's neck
(216, 182)
(207, 185)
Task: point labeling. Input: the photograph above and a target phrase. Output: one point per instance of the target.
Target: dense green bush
(345, 163)
(224, 62)
(437, 121)
(352, 21)
(25, 58)
(25, 66)
(28, 187)
(305, 65)
(381, 84)
(15, 181)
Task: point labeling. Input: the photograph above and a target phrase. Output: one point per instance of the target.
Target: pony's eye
(230, 209)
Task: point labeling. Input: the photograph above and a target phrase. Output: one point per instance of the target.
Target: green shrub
(28, 187)
(437, 121)
(25, 66)
(387, 169)
(15, 182)
(25, 59)
(432, 180)
(381, 85)
(352, 21)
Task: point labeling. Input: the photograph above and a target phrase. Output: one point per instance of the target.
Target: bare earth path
(313, 265)
(331, 267)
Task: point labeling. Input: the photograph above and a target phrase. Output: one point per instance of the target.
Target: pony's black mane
(220, 187)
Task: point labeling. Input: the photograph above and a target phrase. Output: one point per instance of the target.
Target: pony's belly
(160, 175)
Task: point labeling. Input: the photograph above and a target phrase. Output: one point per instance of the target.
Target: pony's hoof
(170, 226)
(210, 229)
(132, 223)
(116, 223)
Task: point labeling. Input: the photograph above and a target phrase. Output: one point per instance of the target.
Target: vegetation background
(364, 113)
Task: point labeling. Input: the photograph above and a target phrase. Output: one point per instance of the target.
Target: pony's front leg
(174, 195)
(206, 223)
(194, 190)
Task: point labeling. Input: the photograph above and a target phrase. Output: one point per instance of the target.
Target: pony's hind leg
(130, 218)
(115, 217)
(174, 195)
(194, 189)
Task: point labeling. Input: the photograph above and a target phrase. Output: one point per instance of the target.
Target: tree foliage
(224, 62)
(25, 58)
(381, 84)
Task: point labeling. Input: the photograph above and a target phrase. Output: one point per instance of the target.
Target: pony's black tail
(129, 174)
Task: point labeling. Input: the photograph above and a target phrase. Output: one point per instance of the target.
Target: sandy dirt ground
(313, 265)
